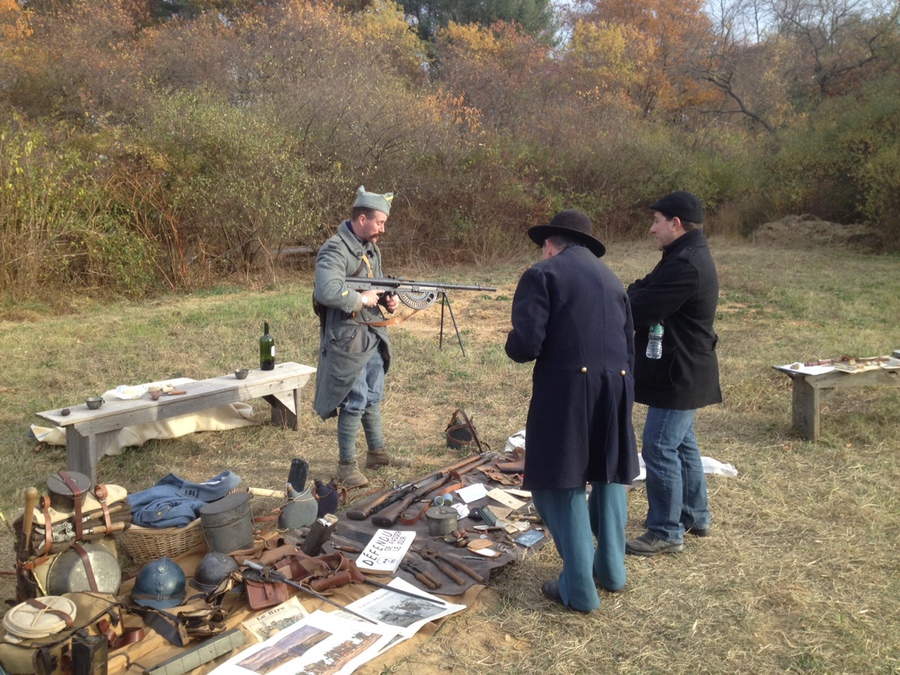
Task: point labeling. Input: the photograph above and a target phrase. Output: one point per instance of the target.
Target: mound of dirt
(808, 230)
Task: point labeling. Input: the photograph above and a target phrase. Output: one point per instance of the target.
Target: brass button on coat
(623, 373)
(584, 369)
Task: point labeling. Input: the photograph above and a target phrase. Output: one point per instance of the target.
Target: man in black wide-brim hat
(571, 316)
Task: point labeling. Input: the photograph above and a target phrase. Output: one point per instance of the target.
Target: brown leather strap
(101, 493)
(387, 322)
(466, 424)
(130, 634)
(37, 604)
(48, 525)
(88, 570)
(76, 497)
(412, 520)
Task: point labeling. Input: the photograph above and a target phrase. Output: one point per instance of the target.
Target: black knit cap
(572, 224)
(682, 204)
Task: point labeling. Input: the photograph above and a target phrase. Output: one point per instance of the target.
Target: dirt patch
(807, 230)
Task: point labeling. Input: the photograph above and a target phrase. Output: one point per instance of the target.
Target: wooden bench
(89, 432)
(809, 388)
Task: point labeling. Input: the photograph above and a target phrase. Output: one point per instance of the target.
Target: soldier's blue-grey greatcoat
(345, 344)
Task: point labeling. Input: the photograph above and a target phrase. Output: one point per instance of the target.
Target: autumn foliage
(147, 144)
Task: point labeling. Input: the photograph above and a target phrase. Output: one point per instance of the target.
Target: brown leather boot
(350, 475)
(380, 457)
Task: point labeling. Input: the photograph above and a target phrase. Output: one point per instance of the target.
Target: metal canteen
(301, 509)
(67, 572)
(61, 495)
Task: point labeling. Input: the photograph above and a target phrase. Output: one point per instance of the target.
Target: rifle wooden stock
(425, 491)
(442, 488)
(366, 508)
(387, 517)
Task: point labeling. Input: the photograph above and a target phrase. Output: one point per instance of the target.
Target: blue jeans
(574, 521)
(676, 484)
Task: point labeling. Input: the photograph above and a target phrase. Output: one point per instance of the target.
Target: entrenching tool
(443, 567)
(455, 562)
(268, 574)
(421, 575)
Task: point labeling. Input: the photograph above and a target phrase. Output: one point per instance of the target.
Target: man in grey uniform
(354, 353)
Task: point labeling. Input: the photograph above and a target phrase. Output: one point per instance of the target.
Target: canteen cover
(27, 621)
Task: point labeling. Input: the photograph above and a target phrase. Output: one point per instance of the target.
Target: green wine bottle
(266, 349)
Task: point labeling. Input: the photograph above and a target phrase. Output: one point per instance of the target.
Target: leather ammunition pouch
(321, 573)
(263, 592)
(181, 627)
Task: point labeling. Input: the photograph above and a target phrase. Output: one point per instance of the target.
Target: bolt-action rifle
(418, 295)
(385, 498)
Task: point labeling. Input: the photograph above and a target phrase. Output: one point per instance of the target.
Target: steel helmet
(212, 571)
(159, 584)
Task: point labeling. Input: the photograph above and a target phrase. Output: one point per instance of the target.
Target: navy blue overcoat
(571, 316)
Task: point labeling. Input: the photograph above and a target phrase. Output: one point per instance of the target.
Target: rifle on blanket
(384, 499)
(416, 295)
(441, 484)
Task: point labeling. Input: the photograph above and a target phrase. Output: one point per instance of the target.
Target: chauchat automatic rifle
(418, 295)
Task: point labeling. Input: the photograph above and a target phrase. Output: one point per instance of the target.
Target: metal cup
(94, 402)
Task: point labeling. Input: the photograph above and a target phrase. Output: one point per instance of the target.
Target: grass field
(801, 575)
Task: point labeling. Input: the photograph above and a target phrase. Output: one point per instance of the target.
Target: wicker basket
(145, 544)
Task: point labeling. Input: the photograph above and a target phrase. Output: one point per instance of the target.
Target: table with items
(311, 584)
(813, 380)
(91, 427)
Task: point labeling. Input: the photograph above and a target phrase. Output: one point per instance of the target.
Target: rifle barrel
(278, 576)
(412, 285)
(365, 509)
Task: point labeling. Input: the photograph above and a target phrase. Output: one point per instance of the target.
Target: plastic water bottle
(654, 344)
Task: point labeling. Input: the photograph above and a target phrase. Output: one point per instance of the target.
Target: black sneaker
(649, 544)
(697, 531)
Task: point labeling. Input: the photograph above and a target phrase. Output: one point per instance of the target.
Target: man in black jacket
(681, 293)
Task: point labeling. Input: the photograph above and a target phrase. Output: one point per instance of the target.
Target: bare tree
(840, 36)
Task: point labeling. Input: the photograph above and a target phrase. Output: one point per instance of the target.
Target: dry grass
(800, 575)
